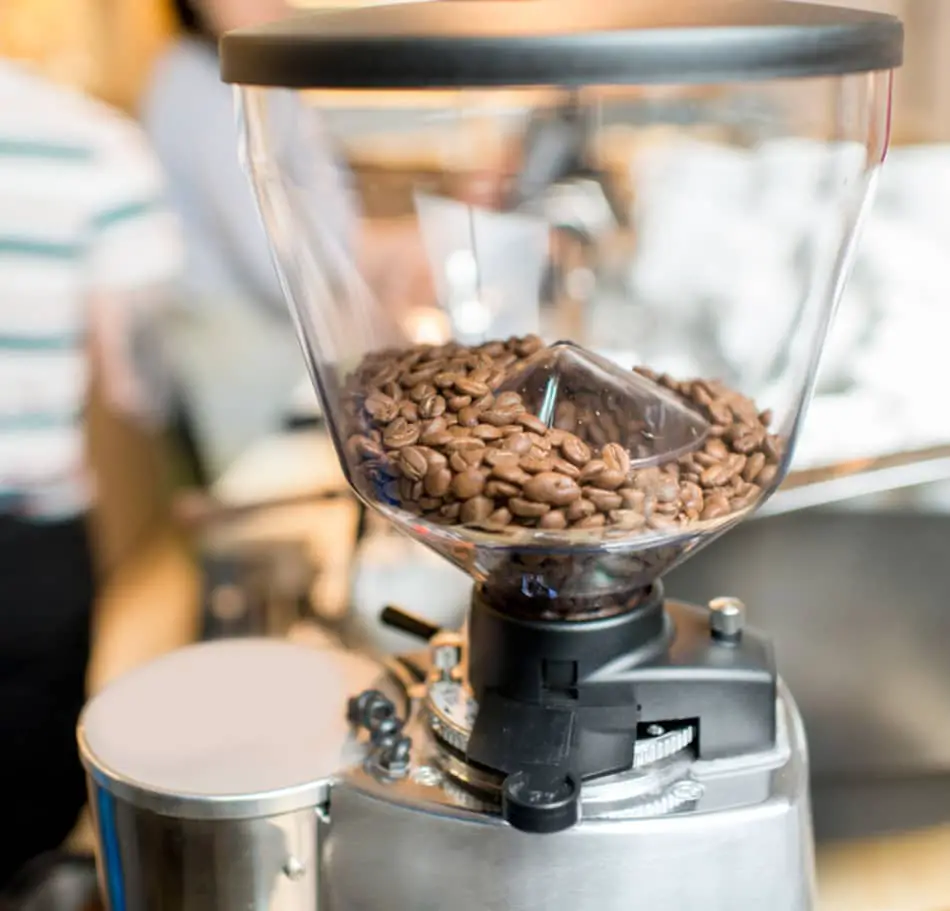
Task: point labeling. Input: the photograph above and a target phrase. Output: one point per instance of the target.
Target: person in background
(87, 253)
(233, 345)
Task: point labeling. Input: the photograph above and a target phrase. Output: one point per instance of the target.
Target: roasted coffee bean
(499, 518)
(438, 481)
(580, 509)
(627, 519)
(458, 402)
(528, 509)
(409, 410)
(451, 511)
(437, 438)
(413, 463)
(420, 391)
(487, 432)
(616, 458)
(604, 500)
(457, 444)
(535, 465)
(476, 509)
(767, 475)
(470, 387)
(565, 467)
(381, 407)
(430, 433)
(466, 459)
(716, 507)
(501, 489)
(510, 472)
(553, 488)
(519, 443)
(469, 416)
(595, 521)
(716, 448)
(575, 450)
(533, 423)
(399, 433)
(469, 483)
(431, 406)
(554, 520)
(715, 476)
(591, 470)
(753, 466)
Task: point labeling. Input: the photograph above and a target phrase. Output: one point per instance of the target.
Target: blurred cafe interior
(234, 520)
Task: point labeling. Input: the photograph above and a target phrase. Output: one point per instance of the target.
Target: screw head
(427, 775)
(687, 790)
(294, 869)
(726, 618)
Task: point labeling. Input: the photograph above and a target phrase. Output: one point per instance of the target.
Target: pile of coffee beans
(430, 430)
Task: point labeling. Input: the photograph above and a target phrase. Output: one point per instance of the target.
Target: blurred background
(234, 519)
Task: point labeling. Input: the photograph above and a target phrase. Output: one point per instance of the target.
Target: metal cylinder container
(207, 773)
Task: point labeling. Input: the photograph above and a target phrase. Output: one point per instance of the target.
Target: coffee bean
(434, 458)
(501, 489)
(607, 478)
(469, 483)
(554, 520)
(691, 496)
(495, 456)
(765, 417)
(438, 438)
(386, 375)
(595, 521)
(744, 501)
(438, 481)
(632, 499)
(486, 432)
(500, 518)
(471, 388)
(381, 407)
(767, 475)
(457, 444)
(627, 519)
(662, 523)
(667, 491)
(528, 509)
(716, 507)
(465, 459)
(364, 447)
(575, 450)
(754, 465)
(580, 509)
(445, 379)
(431, 406)
(772, 448)
(535, 465)
(509, 400)
(484, 403)
(451, 511)
(458, 402)
(519, 443)
(604, 500)
(469, 416)
(399, 433)
(413, 463)
(715, 476)
(532, 423)
(720, 413)
(529, 345)
(409, 410)
(564, 467)
(748, 442)
(616, 458)
(512, 473)
(459, 430)
(476, 509)
(716, 448)
(591, 470)
(551, 487)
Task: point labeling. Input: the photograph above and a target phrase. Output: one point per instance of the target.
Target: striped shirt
(84, 241)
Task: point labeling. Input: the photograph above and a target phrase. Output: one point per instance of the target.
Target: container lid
(230, 729)
(484, 43)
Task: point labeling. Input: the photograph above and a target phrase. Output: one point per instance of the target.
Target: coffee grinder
(506, 379)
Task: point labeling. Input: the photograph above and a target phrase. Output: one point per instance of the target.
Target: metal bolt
(427, 775)
(726, 618)
(687, 790)
(294, 869)
(446, 659)
(656, 730)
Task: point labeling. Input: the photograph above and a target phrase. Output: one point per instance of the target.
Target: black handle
(411, 625)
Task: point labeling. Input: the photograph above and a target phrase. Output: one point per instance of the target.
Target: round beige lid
(228, 729)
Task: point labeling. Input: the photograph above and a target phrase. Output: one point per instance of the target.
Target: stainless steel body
(731, 836)
(149, 861)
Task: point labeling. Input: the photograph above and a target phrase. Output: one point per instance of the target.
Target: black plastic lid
(494, 43)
